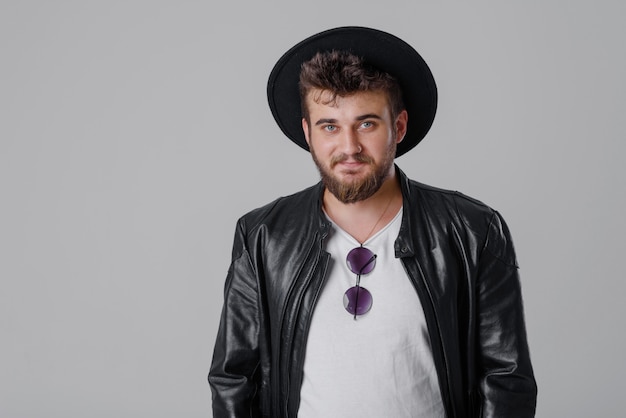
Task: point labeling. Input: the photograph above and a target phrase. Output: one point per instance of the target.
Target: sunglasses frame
(367, 260)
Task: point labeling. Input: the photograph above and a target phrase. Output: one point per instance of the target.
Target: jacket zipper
(449, 407)
(307, 324)
(287, 383)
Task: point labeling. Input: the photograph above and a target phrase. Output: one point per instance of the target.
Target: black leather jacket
(459, 256)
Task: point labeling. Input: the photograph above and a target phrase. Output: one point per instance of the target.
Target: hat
(379, 49)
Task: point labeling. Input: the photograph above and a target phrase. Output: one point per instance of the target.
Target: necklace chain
(378, 221)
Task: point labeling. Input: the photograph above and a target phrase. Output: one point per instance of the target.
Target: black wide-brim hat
(379, 49)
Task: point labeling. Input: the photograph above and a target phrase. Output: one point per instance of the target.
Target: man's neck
(365, 218)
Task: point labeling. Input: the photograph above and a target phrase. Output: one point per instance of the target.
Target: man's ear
(305, 128)
(402, 122)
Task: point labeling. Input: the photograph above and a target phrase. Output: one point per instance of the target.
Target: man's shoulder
(449, 198)
(297, 205)
(470, 216)
(445, 207)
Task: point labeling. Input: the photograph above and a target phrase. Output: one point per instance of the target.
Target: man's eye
(330, 128)
(367, 125)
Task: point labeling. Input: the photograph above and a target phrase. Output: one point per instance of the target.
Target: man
(369, 294)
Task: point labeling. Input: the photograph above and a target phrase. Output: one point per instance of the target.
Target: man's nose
(350, 144)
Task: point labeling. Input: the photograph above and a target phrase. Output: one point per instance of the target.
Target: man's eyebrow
(323, 121)
(368, 116)
(359, 118)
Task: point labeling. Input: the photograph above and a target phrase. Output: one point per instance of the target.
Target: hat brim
(379, 49)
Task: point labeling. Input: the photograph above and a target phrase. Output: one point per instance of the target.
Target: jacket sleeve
(507, 384)
(233, 375)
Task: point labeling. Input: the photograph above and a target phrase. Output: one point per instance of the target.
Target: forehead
(320, 100)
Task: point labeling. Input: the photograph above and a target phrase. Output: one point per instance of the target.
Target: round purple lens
(357, 300)
(361, 260)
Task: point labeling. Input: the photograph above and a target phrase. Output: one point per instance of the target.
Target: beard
(361, 188)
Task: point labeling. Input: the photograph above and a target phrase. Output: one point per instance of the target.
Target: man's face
(353, 141)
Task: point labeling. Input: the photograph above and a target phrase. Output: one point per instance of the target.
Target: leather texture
(457, 252)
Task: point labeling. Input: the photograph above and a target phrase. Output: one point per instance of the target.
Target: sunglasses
(358, 300)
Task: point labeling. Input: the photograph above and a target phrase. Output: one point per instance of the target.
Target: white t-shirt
(381, 364)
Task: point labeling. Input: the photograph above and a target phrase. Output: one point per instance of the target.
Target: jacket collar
(403, 245)
(322, 221)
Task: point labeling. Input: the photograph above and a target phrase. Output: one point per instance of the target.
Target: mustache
(360, 158)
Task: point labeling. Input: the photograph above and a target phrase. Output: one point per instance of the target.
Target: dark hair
(342, 73)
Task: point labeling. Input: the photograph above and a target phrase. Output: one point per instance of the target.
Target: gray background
(134, 134)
